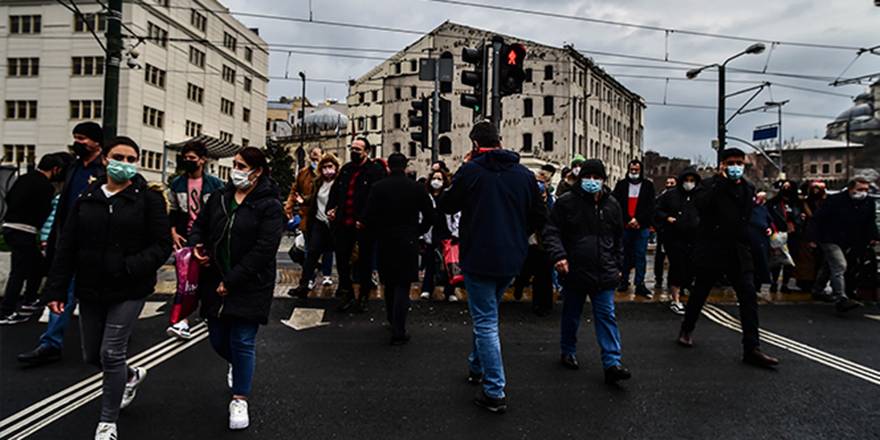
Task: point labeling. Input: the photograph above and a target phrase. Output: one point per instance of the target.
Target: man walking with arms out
(500, 206)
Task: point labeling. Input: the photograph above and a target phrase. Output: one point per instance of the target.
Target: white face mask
(859, 196)
(689, 186)
(436, 183)
(241, 179)
(576, 171)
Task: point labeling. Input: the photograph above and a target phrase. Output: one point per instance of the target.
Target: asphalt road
(343, 380)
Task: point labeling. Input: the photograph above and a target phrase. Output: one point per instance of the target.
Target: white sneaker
(238, 414)
(425, 295)
(677, 308)
(105, 431)
(311, 284)
(229, 380)
(375, 278)
(327, 281)
(453, 298)
(179, 331)
(131, 387)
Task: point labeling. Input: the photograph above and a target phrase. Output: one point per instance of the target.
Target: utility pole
(722, 129)
(111, 70)
(497, 41)
(778, 105)
(435, 116)
(302, 123)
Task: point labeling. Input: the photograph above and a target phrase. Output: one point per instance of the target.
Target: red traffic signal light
(512, 73)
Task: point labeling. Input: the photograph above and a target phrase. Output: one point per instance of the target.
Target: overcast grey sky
(671, 130)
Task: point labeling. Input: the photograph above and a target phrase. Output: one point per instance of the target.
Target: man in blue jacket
(843, 224)
(500, 206)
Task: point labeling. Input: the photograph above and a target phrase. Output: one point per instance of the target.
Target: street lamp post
(302, 123)
(778, 105)
(693, 73)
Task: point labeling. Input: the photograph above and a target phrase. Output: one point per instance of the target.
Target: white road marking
(722, 318)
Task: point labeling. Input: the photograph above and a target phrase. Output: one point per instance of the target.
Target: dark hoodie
(253, 240)
(679, 204)
(500, 207)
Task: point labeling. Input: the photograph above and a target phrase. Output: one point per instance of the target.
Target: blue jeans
(54, 335)
(233, 340)
(484, 295)
(635, 249)
(607, 333)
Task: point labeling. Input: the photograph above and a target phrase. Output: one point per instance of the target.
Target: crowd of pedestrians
(489, 225)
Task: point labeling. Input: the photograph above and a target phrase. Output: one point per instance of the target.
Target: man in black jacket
(844, 224)
(500, 207)
(583, 238)
(635, 195)
(348, 196)
(88, 139)
(29, 203)
(392, 210)
(723, 246)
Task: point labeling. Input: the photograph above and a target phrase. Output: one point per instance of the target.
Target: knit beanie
(593, 166)
(90, 130)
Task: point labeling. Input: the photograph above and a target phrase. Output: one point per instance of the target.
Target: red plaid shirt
(348, 213)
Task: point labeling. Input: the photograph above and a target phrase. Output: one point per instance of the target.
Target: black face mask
(188, 166)
(81, 149)
(356, 157)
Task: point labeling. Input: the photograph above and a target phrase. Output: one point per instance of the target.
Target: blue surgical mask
(591, 186)
(735, 172)
(542, 187)
(313, 164)
(121, 172)
(633, 176)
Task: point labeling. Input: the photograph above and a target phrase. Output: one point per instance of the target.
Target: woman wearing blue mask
(116, 237)
(584, 241)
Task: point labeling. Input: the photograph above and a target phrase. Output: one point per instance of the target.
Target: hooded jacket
(115, 246)
(586, 232)
(253, 233)
(500, 207)
(679, 204)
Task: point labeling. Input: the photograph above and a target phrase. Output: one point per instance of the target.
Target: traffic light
(445, 116)
(511, 74)
(420, 120)
(478, 79)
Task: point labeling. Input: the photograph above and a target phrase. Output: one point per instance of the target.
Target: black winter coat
(61, 209)
(781, 219)
(843, 221)
(723, 238)
(644, 207)
(114, 246)
(392, 211)
(370, 173)
(588, 234)
(678, 204)
(253, 239)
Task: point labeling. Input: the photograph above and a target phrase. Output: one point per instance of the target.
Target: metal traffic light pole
(435, 120)
(497, 42)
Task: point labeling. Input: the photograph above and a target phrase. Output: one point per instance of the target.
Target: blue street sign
(765, 133)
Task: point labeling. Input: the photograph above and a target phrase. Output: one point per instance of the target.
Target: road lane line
(860, 371)
(87, 385)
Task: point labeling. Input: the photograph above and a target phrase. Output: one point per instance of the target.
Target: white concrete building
(200, 73)
(569, 106)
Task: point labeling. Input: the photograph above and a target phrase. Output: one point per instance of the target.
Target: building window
(194, 93)
(838, 168)
(155, 76)
(226, 137)
(413, 66)
(826, 168)
(23, 66)
(814, 169)
(548, 105)
(91, 22)
(196, 57)
(548, 141)
(374, 95)
(360, 124)
(193, 129)
(151, 160)
(396, 67)
(223, 172)
(19, 153)
(249, 54)
(397, 94)
(248, 84)
(85, 66)
(153, 117)
(229, 41)
(227, 107)
(228, 74)
(361, 98)
(548, 73)
(397, 119)
(245, 142)
(374, 123)
(527, 108)
(198, 21)
(412, 149)
(157, 35)
(86, 109)
(527, 143)
(25, 24)
(396, 147)
(246, 114)
(445, 146)
(413, 91)
(528, 75)
(21, 109)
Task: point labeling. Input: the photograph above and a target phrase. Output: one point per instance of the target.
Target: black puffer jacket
(723, 237)
(587, 233)
(253, 239)
(114, 246)
(679, 204)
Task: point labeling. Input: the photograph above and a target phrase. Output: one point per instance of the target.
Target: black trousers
(537, 265)
(320, 242)
(346, 238)
(744, 285)
(396, 308)
(681, 265)
(27, 266)
(660, 254)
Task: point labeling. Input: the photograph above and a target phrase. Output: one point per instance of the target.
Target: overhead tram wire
(709, 107)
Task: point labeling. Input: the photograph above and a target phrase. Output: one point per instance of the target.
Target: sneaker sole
(21, 321)
(143, 375)
(239, 426)
(174, 333)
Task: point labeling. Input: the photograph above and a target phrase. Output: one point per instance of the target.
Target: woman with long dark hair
(236, 237)
(445, 227)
